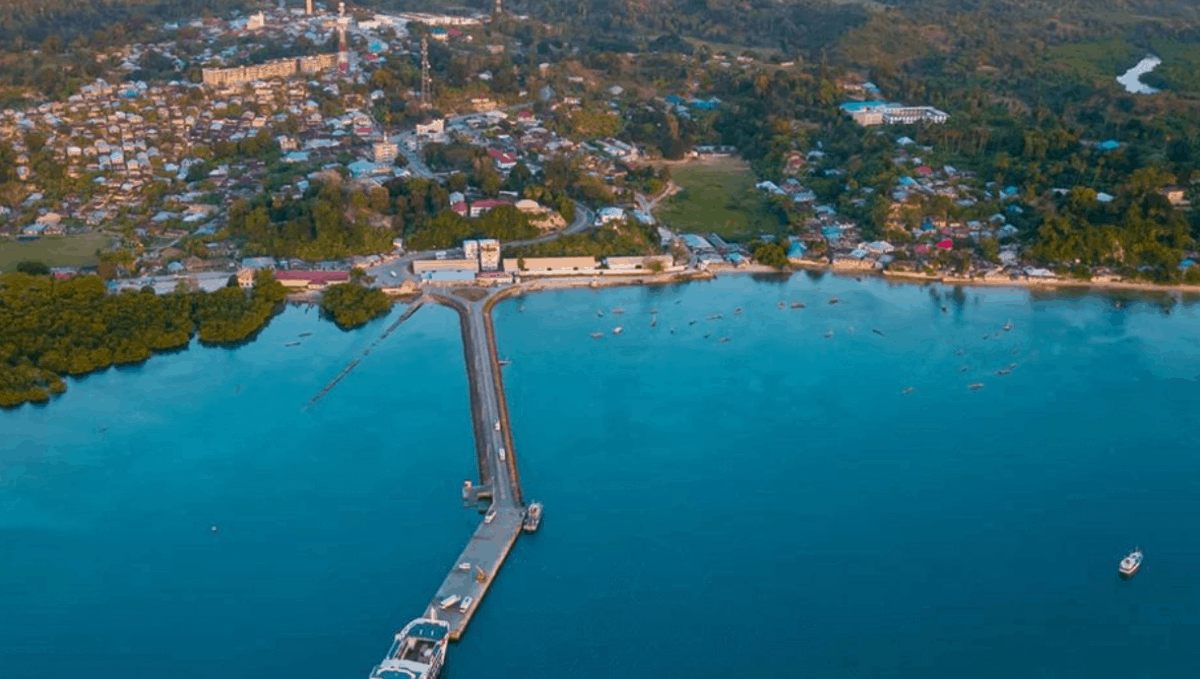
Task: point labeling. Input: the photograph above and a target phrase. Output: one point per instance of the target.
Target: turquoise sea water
(768, 506)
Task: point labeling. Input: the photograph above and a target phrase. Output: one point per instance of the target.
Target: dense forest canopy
(51, 328)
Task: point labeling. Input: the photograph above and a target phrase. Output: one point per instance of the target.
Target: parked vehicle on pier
(419, 650)
(449, 601)
(465, 605)
(490, 516)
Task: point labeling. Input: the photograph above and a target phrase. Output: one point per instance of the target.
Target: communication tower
(424, 72)
(343, 51)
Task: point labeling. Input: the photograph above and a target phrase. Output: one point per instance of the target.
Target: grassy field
(718, 197)
(1095, 60)
(77, 250)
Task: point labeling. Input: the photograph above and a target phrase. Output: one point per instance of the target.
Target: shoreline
(568, 282)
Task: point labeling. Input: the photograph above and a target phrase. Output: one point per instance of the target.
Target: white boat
(617, 330)
(618, 310)
(533, 517)
(419, 650)
(597, 335)
(1131, 564)
(449, 601)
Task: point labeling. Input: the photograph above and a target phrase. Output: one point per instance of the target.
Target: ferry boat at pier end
(533, 517)
(1131, 564)
(417, 653)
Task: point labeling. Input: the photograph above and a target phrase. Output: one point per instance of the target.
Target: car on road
(501, 453)
(490, 516)
(392, 274)
(497, 427)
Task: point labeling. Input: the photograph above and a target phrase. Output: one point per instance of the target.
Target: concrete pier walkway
(473, 572)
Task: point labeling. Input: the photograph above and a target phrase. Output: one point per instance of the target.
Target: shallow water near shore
(768, 505)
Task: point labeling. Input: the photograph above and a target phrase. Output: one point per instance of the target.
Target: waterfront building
(551, 265)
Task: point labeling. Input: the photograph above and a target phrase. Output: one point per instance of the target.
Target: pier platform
(484, 554)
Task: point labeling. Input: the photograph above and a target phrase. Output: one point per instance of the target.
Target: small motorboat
(723, 340)
(945, 310)
(965, 368)
(833, 300)
(1004, 371)
(986, 336)
(306, 334)
(1131, 564)
(707, 335)
(617, 330)
(959, 352)
(215, 529)
(737, 310)
(975, 386)
(798, 305)
(600, 313)
(877, 331)
(292, 344)
(597, 335)
(653, 322)
(829, 333)
(692, 322)
(504, 361)
(521, 309)
(1008, 325)
(907, 391)
(781, 306)
(714, 317)
(618, 310)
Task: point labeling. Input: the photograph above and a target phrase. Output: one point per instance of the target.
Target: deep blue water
(769, 506)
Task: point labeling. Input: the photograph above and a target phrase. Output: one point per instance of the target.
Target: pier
(498, 492)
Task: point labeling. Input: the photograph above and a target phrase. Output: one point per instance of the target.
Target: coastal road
(584, 219)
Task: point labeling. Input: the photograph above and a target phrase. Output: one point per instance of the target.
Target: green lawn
(719, 197)
(1095, 60)
(79, 250)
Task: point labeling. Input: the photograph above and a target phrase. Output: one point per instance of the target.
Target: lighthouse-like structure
(343, 50)
(308, 7)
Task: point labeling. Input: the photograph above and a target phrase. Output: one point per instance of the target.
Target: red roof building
(503, 160)
(925, 170)
(311, 279)
(946, 244)
(921, 249)
(480, 207)
(460, 207)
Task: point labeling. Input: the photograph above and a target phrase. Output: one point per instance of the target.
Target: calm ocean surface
(768, 506)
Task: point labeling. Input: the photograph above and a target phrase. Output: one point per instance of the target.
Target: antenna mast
(424, 72)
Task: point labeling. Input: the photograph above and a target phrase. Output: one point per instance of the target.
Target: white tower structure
(424, 72)
(308, 7)
(343, 50)
(341, 9)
